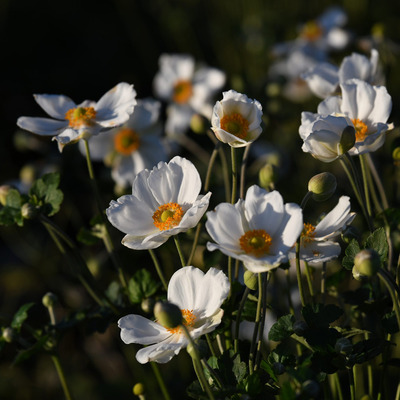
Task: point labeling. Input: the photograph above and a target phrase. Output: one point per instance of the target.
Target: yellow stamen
(256, 242)
(235, 124)
(167, 216)
(182, 91)
(308, 233)
(188, 320)
(311, 31)
(126, 141)
(361, 129)
(80, 116)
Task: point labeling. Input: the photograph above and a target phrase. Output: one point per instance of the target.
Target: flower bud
(49, 300)
(322, 186)
(311, 388)
(356, 274)
(343, 345)
(138, 389)
(278, 368)
(4, 190)
(29, 211)
(8, 334)
(167, 314)
(197, 124)
(347, 139)
(367, 262)
(250, 280)
(148, 305)
(396, 156)
(267, 175)
(191, 349)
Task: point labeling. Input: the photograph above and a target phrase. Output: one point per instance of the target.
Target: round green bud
(278, 368)
(8, 334)
(357, 275)
(348, 139)
(322, 186)
(147, 305)
(197, 124)
(343, 345)
(29, 211)
(28, 173)
(49, 300)
(167, 314)
(367, 262)
(138, 389)
(4, 190)
(267, 175)
(311, 388)
(300, 328)
(396, 156)
(366, 397)
(250, 280)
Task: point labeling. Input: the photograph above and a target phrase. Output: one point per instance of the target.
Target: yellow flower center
(80, 116)
(361, 129)
(167, 216)
(126, 141)
(308, 233)
(311, 31)
(256, 242)
(182, 91)
(235, 124)
(188, 320)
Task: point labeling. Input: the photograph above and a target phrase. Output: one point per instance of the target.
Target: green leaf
(239, 368)
(28, 353)
(20, 316)
(13, 199)
(352, 249)
(378, 242)
(282, 329)
(142, 285)
(268, 369)
(320, 315)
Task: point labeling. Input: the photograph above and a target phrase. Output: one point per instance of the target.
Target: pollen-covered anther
(235, 124)
(308, 233)
(188, 320)
(167, 216)
(361, 129)
(182, 91)
(256, 242)
(311, 31)
(80, 116)
(126, 141)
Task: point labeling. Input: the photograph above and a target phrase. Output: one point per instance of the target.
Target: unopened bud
(148, 305)
(396, 156)
(4, 190)
(138, 389)
(197, 124)
(49, 300)
(29, 211)
(250, 280)
(311, 388)
(367, 262)
(348, 139)
(267, 175)
(343, 345)
(322, 186)
(8, 334)
(167, 314)
(278, 368)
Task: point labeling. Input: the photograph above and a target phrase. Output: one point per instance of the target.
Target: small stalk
(239, 314)
(158, 269)
(61, 376)
(160, 380)
(178, 247)
(256, 323)
(243, 170)
(234, 175)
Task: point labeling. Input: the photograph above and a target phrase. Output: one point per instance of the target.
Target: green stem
(364, 172)
(178, 247)
(323, 282)
(256, 323)
(213, 373)
(243, 170)
(210, 166)
(351, 384)
(194, 245)
(239, 314)
(160, 380)
(158, 269)
(263, 318)
(378, 181)
(309, 280)
(210, 345)
(234, 175)
(298, 273)
(389, 285)
(61, 376)
(338, 386)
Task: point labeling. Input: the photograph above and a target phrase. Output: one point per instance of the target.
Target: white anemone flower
(165, 201)
(133, 146)
(324, 78)
(259, 230)
(188, 90)
(368, 107)
(198, 295)
(317, 243)
(323, 136)
(236, 119)
(72, 122)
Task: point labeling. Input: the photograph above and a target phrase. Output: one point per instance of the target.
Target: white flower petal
(55, 105)
(160, 352)
(42, 126)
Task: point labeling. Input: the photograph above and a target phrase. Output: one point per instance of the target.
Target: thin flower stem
(61, 376)
(160, 380)
(197, 364)
(288, 284)
(370, 373)
(298, 272)
(305, 200)
(234, 175)
(378, 181)
(210, 345)
(256, 323)
(309, 280)
(178, 247)
(239, 314)
(158, 269)
(351, 384)
(106, 236)
(364, 171)
(213, 373)
(389, 285)
(263, 318)
(220, 344)
(323, 282)
(357, 193)
(338, 386)
(243, 170)
(195, 241)
(230, 276)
